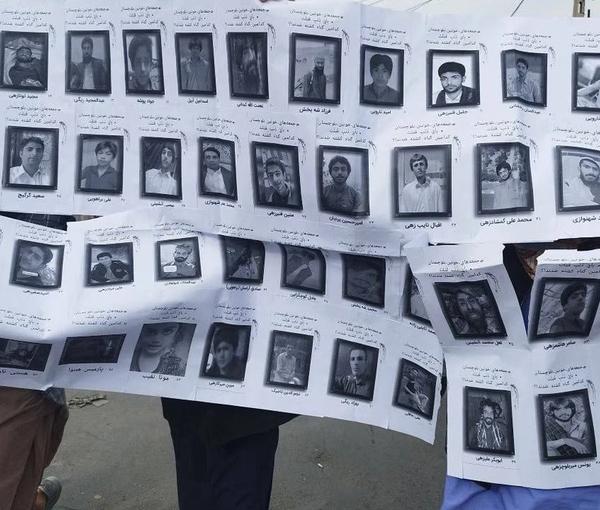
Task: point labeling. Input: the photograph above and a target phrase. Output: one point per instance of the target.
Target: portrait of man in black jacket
(110, 268)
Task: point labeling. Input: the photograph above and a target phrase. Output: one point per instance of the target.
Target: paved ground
(118, 457)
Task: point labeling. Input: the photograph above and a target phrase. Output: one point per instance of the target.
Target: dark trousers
(237, 475)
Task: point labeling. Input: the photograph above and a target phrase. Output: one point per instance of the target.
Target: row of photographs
(453, 76)
(421, 188)
(163, 348)
(566, 428)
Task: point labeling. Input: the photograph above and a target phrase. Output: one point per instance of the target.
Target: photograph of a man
(244, 259)
(423, 175)
(290, 359)
(579, 179)
(161, 167)
(100, 164)
(143, 62)
(354, 370)
(524, 76)
(226, 351)
(25, 60)
(303, 268)
(88, 61)
(31, 158)
(458, 74)
(178, 259)
(277, 175)
(344, 180)
(110, 264)
(37, 264)
(248, 64)
(489, 421)
(381, 76)
(567, 426)
(196, 65)
(364, 279)
(586, 82)
(565, 307)
(217, 168)
(470, 309)
(315, 69)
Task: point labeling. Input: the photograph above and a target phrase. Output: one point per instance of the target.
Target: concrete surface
(118, 457)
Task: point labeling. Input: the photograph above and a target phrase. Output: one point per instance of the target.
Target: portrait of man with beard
(248, 64)
(578, 178)
(88, 61)
(178, 259)
(25, 61)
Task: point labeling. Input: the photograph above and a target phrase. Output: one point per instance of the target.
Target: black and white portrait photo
(354, 370)
(504, 178)
(488, 421)
(109, 264)
(144, 72)
(248, 64)
(578, 179)
(100, 168)
(92, 349)
(217, 168)
(163, 348)
(23, 355)
(195, 63)
(453, 78)
(470, 309)
(415, 389)
(423, 177)
(303, 269)
(88, 62)
(244, 260)
(413, 301)
(276, 175)
(31, 158)
(226, 351)
(566, 307)
(382, 76)
(161, 167)
(178, 259)
(567, 426)
(315, 69)
(344, 179)
(37, 265)
(524, 77)
(586, 82)
(364, 279)
(25, 60)
(289, 360)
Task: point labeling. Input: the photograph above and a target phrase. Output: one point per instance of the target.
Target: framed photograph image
(452, 78)
(315, 69)
(100, 164)
(218, 168)
(144, 71)
(226, 351)
(585, 82)
(31, 158)
(88, 62)
(289, 360)
(160, 160)
(24, 355)
(567, 427)
(470, 309)
(413, 301)
(178, 259)
(354, 370)
(37, 265)
(381, 76)
(95, 349)
(423, 181)
(247, 54)
(566, 307)
(344, 180)
(524, 77)
(504, 183)
(303, 269)
(276, 171)
(195, 63)
(364, 279)
(488, 421)
(109, 264)
(244, 260)
(25, 61)
(415, 389)
(578, 179)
